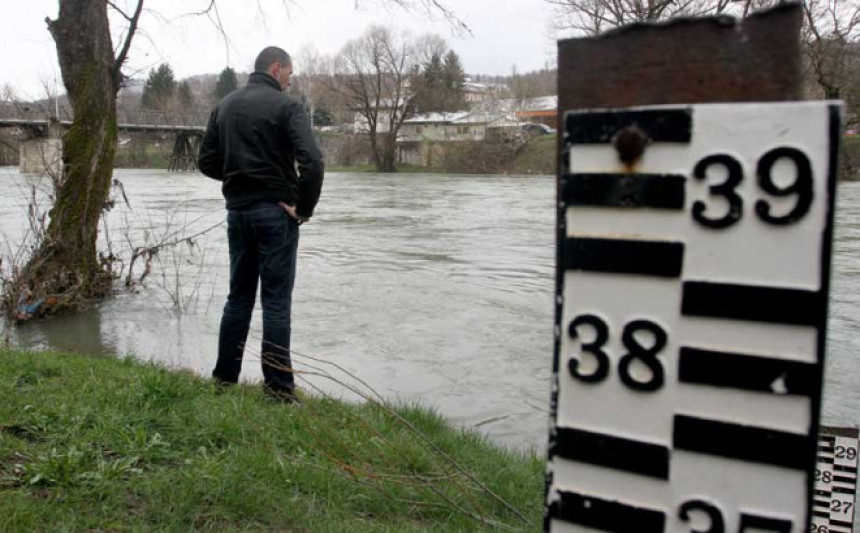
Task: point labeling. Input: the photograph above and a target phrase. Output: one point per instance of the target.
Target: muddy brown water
(432, 288)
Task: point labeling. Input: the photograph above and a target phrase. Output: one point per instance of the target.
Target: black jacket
(254, 139)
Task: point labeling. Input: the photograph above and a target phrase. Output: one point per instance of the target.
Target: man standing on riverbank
(256, 139)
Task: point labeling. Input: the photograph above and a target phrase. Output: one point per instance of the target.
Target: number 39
(800, 187)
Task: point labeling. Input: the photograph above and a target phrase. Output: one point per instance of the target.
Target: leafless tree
(428, 45)
(523, 89)
(9, 102)
(311, 66)
(832, 36)
(64, 271)
(8, 94)
(372, 73)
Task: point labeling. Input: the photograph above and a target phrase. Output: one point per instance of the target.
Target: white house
(479, 92)
(459, 126)
(543, 109)
(420, 137)
(383, 118)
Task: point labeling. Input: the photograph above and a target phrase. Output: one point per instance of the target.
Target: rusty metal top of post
(733, 60)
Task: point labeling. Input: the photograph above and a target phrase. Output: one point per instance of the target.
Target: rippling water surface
(432, 288)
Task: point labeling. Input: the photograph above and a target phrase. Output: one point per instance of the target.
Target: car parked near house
(536, 128)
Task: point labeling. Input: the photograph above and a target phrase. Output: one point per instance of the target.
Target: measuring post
(835, 481)
(694, 243)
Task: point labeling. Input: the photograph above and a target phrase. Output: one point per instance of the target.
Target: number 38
(647, 356)
(801, 187)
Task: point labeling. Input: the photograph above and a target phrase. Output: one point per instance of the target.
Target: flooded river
(432, 288)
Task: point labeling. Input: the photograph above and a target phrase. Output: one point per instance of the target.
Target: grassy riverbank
(535, 157)
(98, 444)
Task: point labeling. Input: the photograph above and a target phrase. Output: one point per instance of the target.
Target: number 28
(800, 187)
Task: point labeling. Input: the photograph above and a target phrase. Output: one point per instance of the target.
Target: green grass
(538, 156)
(100, 444)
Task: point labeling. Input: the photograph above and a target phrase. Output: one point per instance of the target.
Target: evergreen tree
(227, 83)
(322, 116)
(158, 91)
(439, 84)
(186, 98)
(433, 71)
(430, 97)
(454, 82)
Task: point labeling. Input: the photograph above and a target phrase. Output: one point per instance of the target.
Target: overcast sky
(504, 33)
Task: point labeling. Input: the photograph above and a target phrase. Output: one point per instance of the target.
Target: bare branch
(206, 11)
(431, 7)
(592, 17)
(123, 54)
(214, 16)
(118, 10)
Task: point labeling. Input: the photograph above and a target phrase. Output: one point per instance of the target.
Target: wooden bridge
(188, 128)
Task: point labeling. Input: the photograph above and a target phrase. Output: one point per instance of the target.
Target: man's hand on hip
(291, 210)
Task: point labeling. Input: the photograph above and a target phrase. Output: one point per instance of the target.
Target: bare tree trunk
(389, 155)
(374, 149)
(381, 146)
(65, 271)
(384, 152)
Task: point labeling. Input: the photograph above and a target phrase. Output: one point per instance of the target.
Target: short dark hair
(269, 56)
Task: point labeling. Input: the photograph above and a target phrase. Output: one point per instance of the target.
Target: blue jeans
(263, 243)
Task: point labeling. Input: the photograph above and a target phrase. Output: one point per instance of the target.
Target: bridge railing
(151, 117)
(133, 116)
(29, 112)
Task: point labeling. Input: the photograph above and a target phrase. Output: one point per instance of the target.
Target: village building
(475, 92)
(543, 110)
(421, 138)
